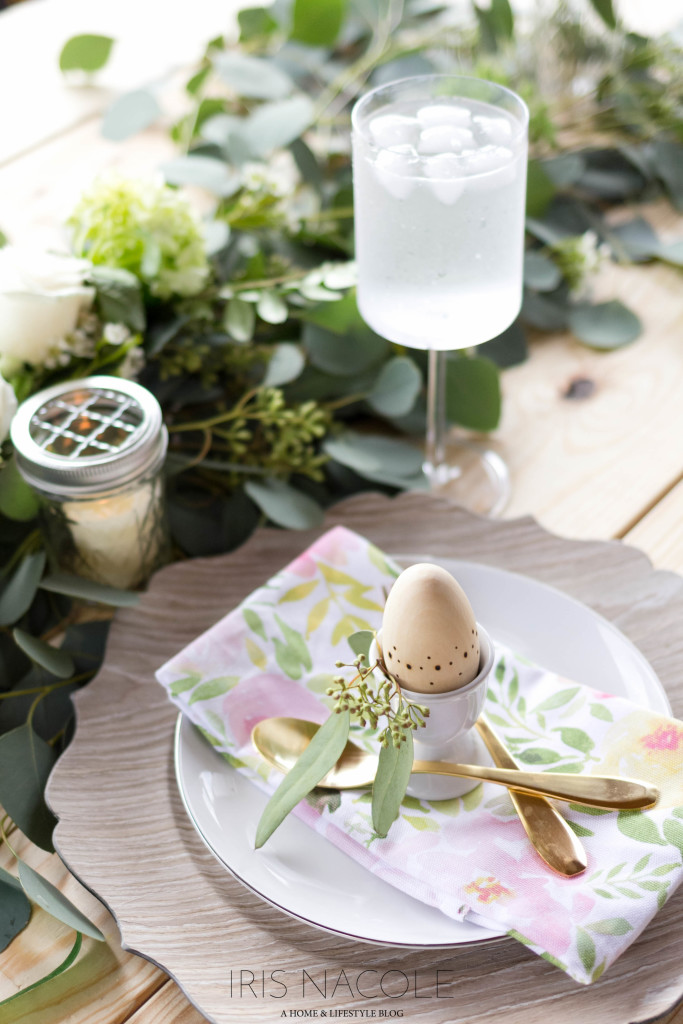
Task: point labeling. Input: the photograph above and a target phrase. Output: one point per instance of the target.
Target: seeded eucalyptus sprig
(367, 705)
(357, 700)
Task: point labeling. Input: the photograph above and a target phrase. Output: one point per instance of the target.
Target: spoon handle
(548, 832)
(590, 790)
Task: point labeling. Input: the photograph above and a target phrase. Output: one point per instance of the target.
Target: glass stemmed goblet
(439, 194)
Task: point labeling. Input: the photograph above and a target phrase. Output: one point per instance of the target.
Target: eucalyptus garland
(278, 398)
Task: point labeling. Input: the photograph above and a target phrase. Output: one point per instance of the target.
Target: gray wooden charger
(123, 830)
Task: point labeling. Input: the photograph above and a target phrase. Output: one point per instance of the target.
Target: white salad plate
(304, 875)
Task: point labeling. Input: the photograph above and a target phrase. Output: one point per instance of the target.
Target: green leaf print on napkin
(292, 655)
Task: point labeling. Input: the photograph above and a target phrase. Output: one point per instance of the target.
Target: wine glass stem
(436, 414)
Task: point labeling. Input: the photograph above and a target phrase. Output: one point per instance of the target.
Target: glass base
(474, 476)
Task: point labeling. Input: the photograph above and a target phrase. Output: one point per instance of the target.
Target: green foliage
(55, 903)
(85, 53)
(473, 397)
(17, 500)
(130, 114)
(316, 23)
(318, 758)
(148, 230)
(391, 780)
(15, 909)
(25, 763)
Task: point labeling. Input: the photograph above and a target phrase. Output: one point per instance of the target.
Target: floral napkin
(275, 655)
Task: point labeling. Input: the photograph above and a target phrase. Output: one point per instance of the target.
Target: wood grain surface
(124, 833)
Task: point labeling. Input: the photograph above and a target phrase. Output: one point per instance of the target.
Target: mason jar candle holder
(93, 450)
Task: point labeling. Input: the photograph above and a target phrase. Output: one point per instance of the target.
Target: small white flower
(8, 407)
(115, 334)
(133, 363)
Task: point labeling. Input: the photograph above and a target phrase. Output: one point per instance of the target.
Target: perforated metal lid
(85, 436)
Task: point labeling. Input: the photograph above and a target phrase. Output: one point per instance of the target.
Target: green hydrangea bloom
(146, 228)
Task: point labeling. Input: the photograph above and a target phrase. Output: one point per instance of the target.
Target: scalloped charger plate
(307, 877)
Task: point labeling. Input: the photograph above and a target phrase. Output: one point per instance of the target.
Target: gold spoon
(548, 832)
(281, 741)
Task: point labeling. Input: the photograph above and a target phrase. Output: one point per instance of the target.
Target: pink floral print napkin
(470, 857)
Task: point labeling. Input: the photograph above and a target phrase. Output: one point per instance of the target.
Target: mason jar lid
(84, 436)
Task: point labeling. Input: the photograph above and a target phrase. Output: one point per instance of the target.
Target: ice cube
(446, 181)
(489, 168)
(395, 169)
(394, 130)
(495, 130)
(444, 138)
(444, 113)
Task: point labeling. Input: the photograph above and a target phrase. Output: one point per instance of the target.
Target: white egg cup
(448, 734)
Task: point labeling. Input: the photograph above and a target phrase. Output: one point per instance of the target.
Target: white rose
(8, 407)
(41, 297)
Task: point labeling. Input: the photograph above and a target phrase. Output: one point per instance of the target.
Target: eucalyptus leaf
(540, 189)
(367, 454)
(54, 973)
(396, 388)
(47, 896)
(607, 325)
(361, 642)
(15, 909)
(272, 308)
(21, 588)
(391, 782)
(118, 296)
(508, 349)
(255, 22)
(321, 754)
(239, 319)
(473, 397)
(275, 125)
(17, 500)
(130, 114)
(307, 164)
(285, 365)
(216, 236)
(58, 662)
(606, 11)
(252, 77)
(203, 171)
(564, 170)
(671, 252)
(220, 127)
(342, 317)
(638, 238)
(87, 590)
(547, 312)
(669, 169)
(85, 53)
(284, 505)
(316, 23)
(25, 763)
(540, 273)
(346, 354)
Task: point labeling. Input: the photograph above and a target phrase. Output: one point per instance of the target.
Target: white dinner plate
(307, 877)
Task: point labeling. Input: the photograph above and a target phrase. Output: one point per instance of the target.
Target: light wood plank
(103, 976)
(197, 920)
(170, 1006)
(591, 467)
(660, 532)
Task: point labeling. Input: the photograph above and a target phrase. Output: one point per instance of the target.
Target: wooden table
(605, 465)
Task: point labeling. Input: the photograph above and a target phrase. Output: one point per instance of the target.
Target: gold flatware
(548, 832)
(281, 741)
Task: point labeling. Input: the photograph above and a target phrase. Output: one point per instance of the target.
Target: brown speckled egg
(429, 633)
